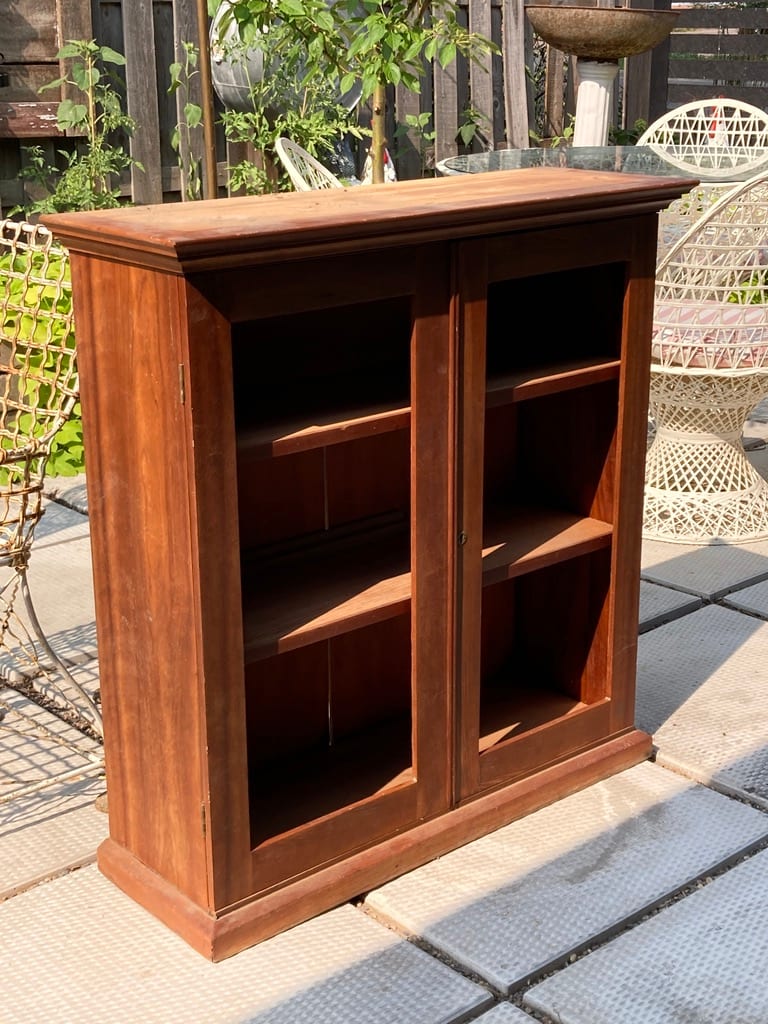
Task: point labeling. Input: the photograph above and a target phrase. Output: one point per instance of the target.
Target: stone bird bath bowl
(599, 37)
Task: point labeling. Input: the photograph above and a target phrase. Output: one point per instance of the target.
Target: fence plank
(719, 16)
(554, 98)
(187, 30)
(446, 110)
(140, 71)
(408, 147)
(480, 78)
(515, 90)
(74, 22)
(28, 36)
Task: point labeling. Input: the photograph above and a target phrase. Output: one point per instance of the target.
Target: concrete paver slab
(36, 745)
(699, 960)
(702, 694)
(753, 600)
(49, 833)
(80, 945)
(521, 900)
(61, 581)
(709, 571)
(69, 491)
(662, 604)
(505, 1013)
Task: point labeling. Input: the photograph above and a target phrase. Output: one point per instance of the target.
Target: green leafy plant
(295, 97)
(184, 134)
(474, 125)
(41, 324)
(85, 180)
(362, 42)
(421, 127)
(626, 136)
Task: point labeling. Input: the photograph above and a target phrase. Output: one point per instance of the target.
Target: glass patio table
(673, 222)
(627, 159)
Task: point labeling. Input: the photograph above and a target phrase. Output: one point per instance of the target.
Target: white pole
(593, 101)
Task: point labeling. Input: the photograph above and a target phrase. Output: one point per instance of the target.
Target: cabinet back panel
(554, 450)
(341, 707)
(287, 703)
(280, 498)
(536, 637)
(578, 316)
(369, 477)
(313, 363)
(370, 671)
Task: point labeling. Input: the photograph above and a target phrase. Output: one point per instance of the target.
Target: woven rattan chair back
(716, 139)
(720, 141)
(303, 169)
(38, 391)
(709, 369)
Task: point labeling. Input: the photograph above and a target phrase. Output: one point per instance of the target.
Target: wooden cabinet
(365, 481)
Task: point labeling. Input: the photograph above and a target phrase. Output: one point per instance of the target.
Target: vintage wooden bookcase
(365, 476)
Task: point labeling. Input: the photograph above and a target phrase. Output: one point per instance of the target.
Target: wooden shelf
(289, 793)
(321, 593)
(518, 540)
(506, 716)
(336, 427)
(536, 381)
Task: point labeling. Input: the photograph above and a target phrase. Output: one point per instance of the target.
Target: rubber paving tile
(522, 899)
(505, 1013)
(701, 960)
(662, 604)
(80, 946)
(61, 581)
(709, 571)
(702, 694)
(753, 600)
(48, 833)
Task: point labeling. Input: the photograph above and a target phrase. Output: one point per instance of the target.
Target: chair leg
(50, 726)
(31, 665)
(700, 486)
(79, 698)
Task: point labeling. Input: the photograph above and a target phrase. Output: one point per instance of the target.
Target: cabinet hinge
(182, 384)
(203, 820)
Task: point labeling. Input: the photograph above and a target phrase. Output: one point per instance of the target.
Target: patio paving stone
(520, 901)
(699, 961)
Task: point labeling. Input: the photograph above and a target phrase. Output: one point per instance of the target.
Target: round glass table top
(627, 159)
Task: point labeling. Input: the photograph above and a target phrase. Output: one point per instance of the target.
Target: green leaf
(52, 85)
(193, 114)
(111, 56)
(70, 114)
(447, 54)
(70, 49)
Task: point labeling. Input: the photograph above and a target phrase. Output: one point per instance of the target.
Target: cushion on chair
(710, 335)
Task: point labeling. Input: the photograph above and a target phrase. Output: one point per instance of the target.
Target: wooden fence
(715, 50)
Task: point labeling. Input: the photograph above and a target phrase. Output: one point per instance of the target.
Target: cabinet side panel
(630, 471)
(215, 543)
(128, 323)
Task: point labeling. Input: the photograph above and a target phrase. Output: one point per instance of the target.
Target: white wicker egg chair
(719, 141)
(709, 368)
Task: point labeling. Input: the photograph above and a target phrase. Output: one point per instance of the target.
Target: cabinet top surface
(218, 232)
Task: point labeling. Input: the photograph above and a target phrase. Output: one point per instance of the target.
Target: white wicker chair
(50, 724)
(709, 368)
(720, 141)
(303, 169)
